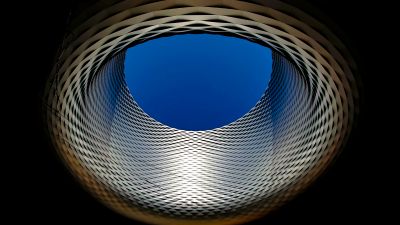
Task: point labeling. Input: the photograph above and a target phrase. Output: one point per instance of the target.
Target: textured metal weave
(228, 175)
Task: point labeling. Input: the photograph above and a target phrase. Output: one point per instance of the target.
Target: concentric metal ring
(158, 174)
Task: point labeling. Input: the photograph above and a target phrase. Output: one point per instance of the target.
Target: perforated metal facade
(158, 174)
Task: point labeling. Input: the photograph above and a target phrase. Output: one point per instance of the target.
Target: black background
(355, 189)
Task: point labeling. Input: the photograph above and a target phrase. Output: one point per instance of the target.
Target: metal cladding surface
(229, 175)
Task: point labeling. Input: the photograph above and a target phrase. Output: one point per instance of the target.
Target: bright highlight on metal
(228, 175)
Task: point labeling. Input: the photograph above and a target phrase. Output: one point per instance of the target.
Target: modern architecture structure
(228, 175)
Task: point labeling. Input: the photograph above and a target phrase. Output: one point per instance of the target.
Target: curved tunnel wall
(235, 173)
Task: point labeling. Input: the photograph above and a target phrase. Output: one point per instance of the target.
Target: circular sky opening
(197, 81)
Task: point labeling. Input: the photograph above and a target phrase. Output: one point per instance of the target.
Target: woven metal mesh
(158, 174)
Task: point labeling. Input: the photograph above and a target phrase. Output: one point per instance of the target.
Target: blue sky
(197, 81)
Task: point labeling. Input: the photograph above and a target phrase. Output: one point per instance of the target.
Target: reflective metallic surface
(233, 174)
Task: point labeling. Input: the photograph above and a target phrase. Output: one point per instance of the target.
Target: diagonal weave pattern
(157, 174)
